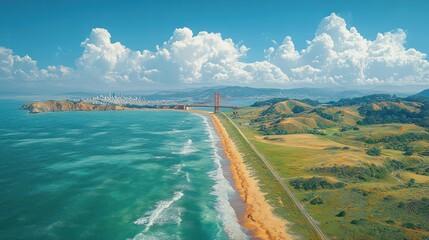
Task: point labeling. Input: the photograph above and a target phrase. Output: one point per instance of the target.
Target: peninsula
(61, 106)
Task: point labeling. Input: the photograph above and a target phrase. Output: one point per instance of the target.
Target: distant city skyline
(143, 45)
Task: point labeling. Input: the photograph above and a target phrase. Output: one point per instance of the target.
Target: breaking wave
(179, 170)
(187, 148)
(222, 190)
(162, 214)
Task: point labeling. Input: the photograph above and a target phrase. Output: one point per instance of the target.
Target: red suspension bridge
(217, 106)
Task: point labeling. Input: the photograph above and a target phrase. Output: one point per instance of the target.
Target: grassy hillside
(360, 174)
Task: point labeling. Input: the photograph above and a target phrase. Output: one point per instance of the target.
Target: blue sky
(51, 32)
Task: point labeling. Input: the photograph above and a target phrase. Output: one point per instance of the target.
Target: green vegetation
(383, 164)
(373, 151)
(356, 222)
(393, 115)
(399, 142)
(316, 201)
(341, 214)
(364, 100)
(348, 128)
(314, 183)
(419, 205)
(360, 191)
(415, 165)
(365, 172)
(298, 109)
(335, 117)
(390, 221)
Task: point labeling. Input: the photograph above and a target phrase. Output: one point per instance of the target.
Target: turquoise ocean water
(114, 175)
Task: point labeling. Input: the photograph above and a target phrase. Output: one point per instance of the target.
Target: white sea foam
(162, 214)
(173, 131)
(179, 170)
(156, 236)
(73, 132)
(222, 190)
(99, 134)
(12, 134)
(187, 177)
(187, 148)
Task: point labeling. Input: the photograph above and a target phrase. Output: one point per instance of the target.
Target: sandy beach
(259, 217)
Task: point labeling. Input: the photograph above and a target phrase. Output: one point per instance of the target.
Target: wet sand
(259, 217)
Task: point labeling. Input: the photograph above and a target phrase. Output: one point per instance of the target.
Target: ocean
(114, 175)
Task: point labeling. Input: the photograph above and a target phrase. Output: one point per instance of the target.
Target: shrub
(341, 214)
(314, 183)
(360, 191)
(363, 173)
(397, 142)
(409, 225)
(408, 153)
(339, 185)
(408, 150)
(373, 151)
(390, 222)
(325, 115)
(411, 183)
(388, 198)
(356, 222)
(316, 201)
(419, 206)
(298, 109)
(347, 128)
(395, 165)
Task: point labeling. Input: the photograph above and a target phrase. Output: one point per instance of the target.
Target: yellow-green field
(375, 207)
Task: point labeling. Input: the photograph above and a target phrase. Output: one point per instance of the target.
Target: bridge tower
(217, 102)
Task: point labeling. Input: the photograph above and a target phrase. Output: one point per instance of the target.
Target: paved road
(285, 187)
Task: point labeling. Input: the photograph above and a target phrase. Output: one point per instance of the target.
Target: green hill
(375, 148)
(280, 116)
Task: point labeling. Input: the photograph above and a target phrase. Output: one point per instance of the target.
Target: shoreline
(259, 217)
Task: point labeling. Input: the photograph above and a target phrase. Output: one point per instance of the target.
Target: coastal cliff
(61, 106)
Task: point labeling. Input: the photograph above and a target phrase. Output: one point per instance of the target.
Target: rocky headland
(61, 106)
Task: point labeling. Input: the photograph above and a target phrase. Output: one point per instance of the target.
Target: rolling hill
(359, 165)
(281, 116)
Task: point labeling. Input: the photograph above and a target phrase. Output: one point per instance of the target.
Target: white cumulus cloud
(14, 67)
(205, 58)
(342, 56)
(338, 55)
(111, 62)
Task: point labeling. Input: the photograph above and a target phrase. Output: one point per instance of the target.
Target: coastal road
(285, 187)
